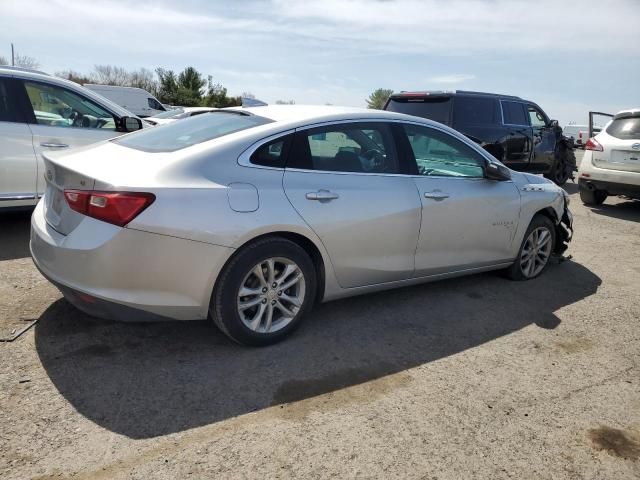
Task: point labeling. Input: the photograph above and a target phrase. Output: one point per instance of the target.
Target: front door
(517, 137)
(341, 180)
(62, 119)
(468, 221)
(544, 139)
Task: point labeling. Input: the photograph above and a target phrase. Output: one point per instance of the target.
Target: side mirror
(495, 171)
(130, 124)
(554, 124)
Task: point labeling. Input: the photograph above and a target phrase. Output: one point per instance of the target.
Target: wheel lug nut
(264, 290)
(279, 292)
(264, 300)
(274, 285)
(273, 302)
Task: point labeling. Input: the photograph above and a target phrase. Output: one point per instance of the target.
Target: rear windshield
(625, 128)
(437, 109)
(190, 131)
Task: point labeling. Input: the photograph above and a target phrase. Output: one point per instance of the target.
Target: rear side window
(272, 154)
(190, 131)
(475, 111)
(625, 128)
(348, 147)
(514, 113)
(437, 109)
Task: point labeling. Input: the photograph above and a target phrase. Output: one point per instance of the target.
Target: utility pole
(13, 57)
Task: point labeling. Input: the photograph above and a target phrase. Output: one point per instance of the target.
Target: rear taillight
(579, 134)
(118, 208)
(592, 144)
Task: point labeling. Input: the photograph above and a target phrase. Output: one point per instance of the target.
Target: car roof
(305, 114)
(451, 93)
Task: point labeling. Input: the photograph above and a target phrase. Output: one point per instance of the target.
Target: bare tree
(285, 102)
(143, 78)
(110, 75)
(26, 61)
(74, 76)
(248, 95)
(3, 61)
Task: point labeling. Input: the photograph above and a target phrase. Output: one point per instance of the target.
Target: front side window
(513, 113)
(536, 117)
(153, 103)
(439, 154)
(348, 147)
(58, 107)
(190, 131)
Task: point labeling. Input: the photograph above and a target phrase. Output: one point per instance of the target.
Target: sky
(569, 57)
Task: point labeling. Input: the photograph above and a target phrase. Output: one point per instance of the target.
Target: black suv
(515, 131)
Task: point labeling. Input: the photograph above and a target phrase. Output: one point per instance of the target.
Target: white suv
(611, 162)
(39, 113)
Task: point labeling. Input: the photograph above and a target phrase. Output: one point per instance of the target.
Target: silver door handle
(436, 195)
(54, 145)
(322, 195)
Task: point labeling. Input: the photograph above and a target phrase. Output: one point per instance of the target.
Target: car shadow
(625, 209)
(146, 380)
(15, 229)
(570, 187)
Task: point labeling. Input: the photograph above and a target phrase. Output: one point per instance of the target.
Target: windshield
(174, 112)
(437, 109)
(190, 131)
(625, 128)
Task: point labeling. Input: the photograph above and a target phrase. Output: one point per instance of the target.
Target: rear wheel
(264, 292)
(535, 250)
(592, 197)
(563, 166)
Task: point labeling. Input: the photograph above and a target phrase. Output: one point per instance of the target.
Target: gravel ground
(476, 377)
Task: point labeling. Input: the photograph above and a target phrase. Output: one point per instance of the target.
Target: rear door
(18, 167)
(60, 118)
(468, 221)
(517, 134)
(343, 180)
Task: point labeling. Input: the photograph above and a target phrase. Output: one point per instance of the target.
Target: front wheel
(535, 250)
(264, 292)
(563, 166)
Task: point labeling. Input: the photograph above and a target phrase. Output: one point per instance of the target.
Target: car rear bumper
(126, 274)
(612, 188)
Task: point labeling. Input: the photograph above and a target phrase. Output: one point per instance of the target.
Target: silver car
(249, 216)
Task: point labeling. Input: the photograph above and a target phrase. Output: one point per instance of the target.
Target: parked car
(515, 131)
(250, 216)
(578, 134)
(136, 100)
(40, 113)
(177, 113)
(611, 162)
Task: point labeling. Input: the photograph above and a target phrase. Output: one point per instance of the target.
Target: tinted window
(475, 111)
(536, 117)
(625, 128)
(272, 154)
(437, 109)
(153, 103)
(349, 147)
(58, 107)
(513, 113)
(190, 131)
(7, 113)
(439, 154)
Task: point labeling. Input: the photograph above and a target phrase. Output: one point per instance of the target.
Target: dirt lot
(469, 378)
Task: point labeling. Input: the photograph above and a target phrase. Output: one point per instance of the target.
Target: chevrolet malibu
(249, 216)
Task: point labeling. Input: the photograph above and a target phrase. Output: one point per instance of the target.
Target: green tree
(216, 96)
(378, 98)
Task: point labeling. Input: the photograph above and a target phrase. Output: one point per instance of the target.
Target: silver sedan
(249, 216)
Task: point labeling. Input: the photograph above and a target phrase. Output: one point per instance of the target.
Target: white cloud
(452, 78)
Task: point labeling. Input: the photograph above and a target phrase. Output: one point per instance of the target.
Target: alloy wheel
(271, 295)
(536, 252)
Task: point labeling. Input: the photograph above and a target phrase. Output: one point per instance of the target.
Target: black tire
(563, 166)
(592, 197)
(515, 272)
(223, 306)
